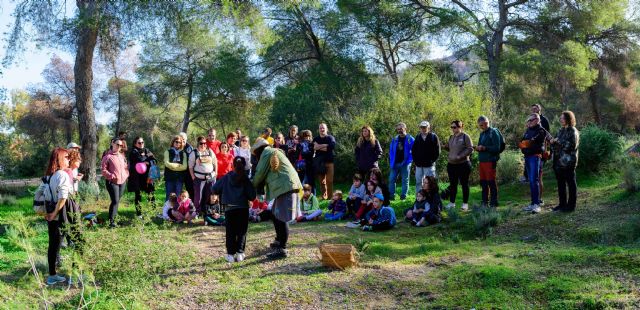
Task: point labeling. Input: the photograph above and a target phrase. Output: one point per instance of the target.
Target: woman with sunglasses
(202, 169)
(116, 172)
(459, 165)
(244, 151)
(175, 167)
(139, 182)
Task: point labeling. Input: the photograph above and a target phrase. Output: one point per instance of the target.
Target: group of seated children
(179, 209)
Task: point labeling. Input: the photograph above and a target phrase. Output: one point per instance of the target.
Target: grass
(585, 260)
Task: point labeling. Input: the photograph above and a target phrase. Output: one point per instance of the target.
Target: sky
(27, 69)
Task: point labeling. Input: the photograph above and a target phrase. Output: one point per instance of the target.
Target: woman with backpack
(140, 159)
(175, 167)
(202, 169)
(55, 190)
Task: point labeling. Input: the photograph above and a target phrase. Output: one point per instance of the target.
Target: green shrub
(597, 147)
(7, 200)
(631, 173)
(510, 167)
(484, 219)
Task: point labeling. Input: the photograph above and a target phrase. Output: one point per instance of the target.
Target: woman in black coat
(138, 182)
(368, 151)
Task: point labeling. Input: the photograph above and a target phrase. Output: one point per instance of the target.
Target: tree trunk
(594, 96)
(118, 117)
(85, 46)
(187, 112)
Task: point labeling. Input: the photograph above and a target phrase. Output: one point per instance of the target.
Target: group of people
(231, 182)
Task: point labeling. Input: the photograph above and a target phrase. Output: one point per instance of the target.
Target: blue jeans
(172, 187)
(533, 173)
(403, 171)
(334, 216)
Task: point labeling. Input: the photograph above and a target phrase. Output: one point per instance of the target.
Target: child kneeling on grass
(310, 209)
(186, 211)
(380, 218)
(213, 211)
(236, 191)
(337, 207)
(169, 206)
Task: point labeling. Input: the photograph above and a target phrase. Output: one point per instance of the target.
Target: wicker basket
(339, 256)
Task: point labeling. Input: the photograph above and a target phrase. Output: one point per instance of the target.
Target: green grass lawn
(589, 259)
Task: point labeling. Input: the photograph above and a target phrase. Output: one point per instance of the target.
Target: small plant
(484, 220)
(88, 191)
(631, 174)
(362, 245)
(7, 200)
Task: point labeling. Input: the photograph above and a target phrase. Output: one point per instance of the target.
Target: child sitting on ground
(169, 206)
(337, 207)
(431, 215)
(380, 218)
(213, 213)
(367, 203)
(414, 214)
(356, 194)
(186, 210)
(309, 206)
(259, 211)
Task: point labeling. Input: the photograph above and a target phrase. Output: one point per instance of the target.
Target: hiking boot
(278, 253)
(536, 209)
(51, 280)
(229, 258)
(275, 244)
(558, 208)
(465, 207)
(352, 225)
(239, 257)
(450, 205)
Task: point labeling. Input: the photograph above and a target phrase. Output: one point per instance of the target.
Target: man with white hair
(425, 152)
(187, 149)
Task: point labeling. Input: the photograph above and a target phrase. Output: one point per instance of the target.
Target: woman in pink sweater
(115, 172)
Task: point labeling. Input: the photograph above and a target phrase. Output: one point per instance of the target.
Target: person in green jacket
(280, 180)
(309, 206)
(488, 149)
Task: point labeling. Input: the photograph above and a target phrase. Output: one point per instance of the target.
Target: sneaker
(367, 228)
(528, 208)
(278, 253)
(465, 207)
(541, 203)
(292, 222)
(450, 205)
(420, 224)
(352, 225)
(239, 257)
(229, 258)
(536, 209)
(51, 280)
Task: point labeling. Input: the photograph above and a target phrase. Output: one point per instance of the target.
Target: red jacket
(214, 146)
(225, 164)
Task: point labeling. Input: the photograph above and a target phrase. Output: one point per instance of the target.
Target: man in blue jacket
(400, 160)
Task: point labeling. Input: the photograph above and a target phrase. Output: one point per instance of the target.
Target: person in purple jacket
(337, 207)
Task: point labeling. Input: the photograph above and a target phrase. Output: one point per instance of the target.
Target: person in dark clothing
(368, 151)
(305, 172)
(565, 159)
(140, 182)
(187, 149)
(236, 191)
(400, 161)
(324, 144)
(425, 152)
(532, 146)
(544, 122)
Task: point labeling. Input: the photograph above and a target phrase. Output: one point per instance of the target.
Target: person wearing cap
(425, 152)
(380, 217)
(532, 146)
(73, 145)
(400, 160)
(280, 181)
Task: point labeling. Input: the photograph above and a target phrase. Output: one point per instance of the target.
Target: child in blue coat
(380, 218)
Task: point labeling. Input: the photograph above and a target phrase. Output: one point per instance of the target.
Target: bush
(510, 167)
(7, 200)
(631, 174)
(484, 219)
(597, 147)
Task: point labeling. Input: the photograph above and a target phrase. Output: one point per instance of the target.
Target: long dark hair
(239, 164)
